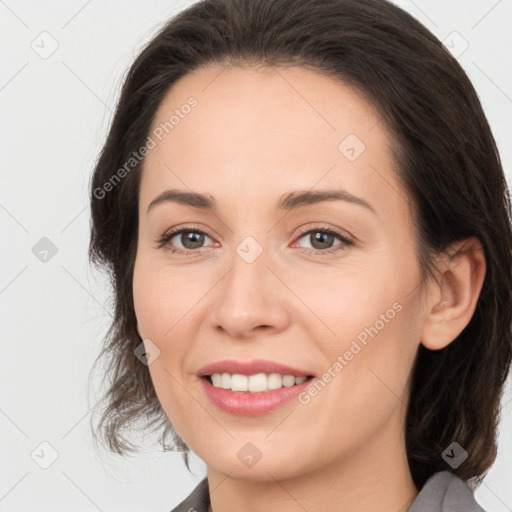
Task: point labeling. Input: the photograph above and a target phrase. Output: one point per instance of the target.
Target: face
(251, 277)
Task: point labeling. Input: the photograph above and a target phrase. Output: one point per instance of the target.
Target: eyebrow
(290, 201)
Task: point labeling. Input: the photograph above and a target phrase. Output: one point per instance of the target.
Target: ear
(453, 297)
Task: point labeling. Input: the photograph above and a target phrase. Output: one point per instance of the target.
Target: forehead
(257, 132)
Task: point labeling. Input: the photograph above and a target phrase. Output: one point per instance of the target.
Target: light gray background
(55, 114)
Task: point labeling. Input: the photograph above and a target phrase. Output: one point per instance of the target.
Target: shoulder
(197, 501)
(445, 492)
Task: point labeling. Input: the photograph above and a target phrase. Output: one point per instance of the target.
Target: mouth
(256, 383)
(252, 388)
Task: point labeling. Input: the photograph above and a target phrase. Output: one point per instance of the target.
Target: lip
(243, 403)
(251, 368)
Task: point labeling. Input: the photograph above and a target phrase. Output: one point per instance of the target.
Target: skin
(255, 135)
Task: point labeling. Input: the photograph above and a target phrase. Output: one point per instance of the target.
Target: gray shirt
(443, 492)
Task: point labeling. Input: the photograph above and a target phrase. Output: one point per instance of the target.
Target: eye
(190, 239)
(321, 240)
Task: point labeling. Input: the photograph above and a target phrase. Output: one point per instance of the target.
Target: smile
(257, 383)
(252, 388)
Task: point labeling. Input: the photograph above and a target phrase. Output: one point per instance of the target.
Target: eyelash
(345, 242)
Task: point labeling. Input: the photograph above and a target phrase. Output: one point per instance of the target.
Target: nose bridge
(248, 299)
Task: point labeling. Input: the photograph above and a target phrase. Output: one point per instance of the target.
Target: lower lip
(251, 404)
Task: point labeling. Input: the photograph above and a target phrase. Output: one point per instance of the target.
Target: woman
(360, 371)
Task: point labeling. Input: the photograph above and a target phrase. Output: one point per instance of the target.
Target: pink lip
(251, 368)
(251, 404)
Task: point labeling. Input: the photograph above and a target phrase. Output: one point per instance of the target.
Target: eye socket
(327, 236)
(184, 236)
(196, 237)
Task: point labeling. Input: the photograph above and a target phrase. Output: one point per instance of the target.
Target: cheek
(345, 301)
(162, 317)
(167, 303)
(147, 300)
(163, 298)
(373, 320)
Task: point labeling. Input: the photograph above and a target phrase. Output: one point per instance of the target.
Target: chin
(252, 461)
(261, 471)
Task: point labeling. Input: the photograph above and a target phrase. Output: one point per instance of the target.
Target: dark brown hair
(446, 160)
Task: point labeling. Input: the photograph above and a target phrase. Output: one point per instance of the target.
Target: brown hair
(446, 160)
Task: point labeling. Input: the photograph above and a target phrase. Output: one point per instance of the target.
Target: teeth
(275, 381)
(239, 382)
(288, 380)
(217, 380)
(254, 383)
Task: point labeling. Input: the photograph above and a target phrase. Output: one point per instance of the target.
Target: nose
(250, 299)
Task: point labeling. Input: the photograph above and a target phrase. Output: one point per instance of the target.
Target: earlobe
(453, 301)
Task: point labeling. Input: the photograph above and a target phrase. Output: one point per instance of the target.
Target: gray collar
(445, 492)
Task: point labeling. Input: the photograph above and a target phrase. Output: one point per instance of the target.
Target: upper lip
(251, 368)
